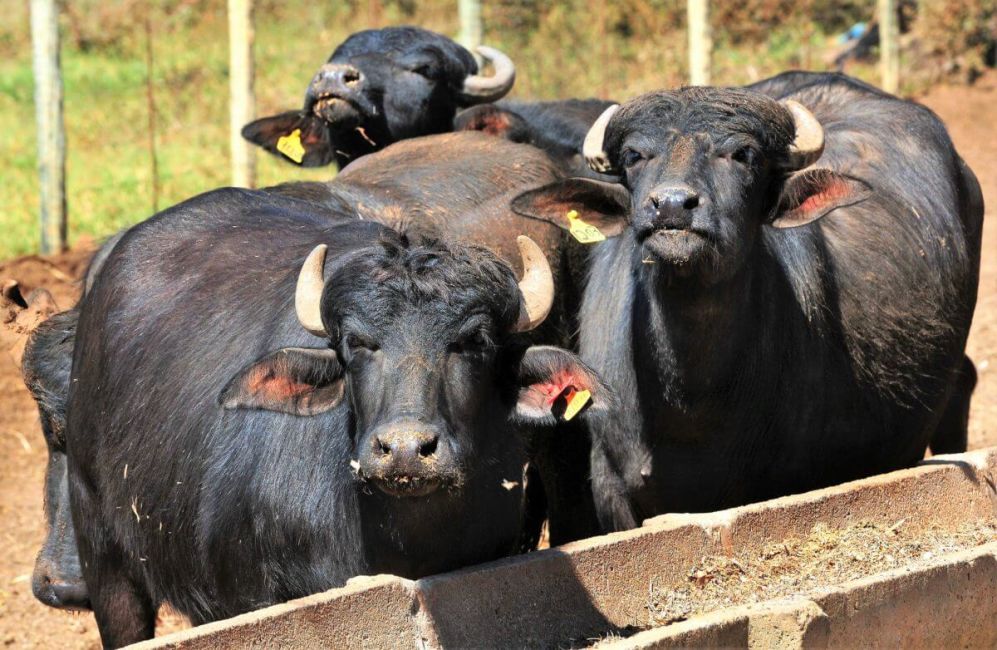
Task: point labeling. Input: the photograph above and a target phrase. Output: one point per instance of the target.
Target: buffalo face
(57, 579)
(425, 347)
(701, 172)
(700, 164)
(378, 87)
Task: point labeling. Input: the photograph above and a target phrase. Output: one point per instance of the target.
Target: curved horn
(536, 289)
(479, 89)
(592, 148)
(809, 142)
(308, 293)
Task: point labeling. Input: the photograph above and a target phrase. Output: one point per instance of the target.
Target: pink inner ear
(829, 193)
(490, 121)
(265, 382)
(495, 124)
(557, 386)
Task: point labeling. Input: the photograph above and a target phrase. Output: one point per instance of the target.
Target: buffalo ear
(294, 136)
(493, 120)
(600, 204)
(812, 194)
(551, 386)
(299, 381)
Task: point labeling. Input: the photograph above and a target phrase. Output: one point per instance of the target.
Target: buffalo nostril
(655, 201)
(351, 76)
(428, 448)
(691, 202)
(383, 447)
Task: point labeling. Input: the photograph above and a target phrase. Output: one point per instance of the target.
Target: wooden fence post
(51, 129)
(889, 45)
(242, 100)
(700, 42)
(471, 26)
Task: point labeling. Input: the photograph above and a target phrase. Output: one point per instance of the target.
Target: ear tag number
(586, 233)
(576, 399)
(290, 146)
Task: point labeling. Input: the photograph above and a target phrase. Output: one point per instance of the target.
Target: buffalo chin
(338, 112)
(408, 486)
(683, 249)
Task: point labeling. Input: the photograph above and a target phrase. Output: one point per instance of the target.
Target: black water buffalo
(385, 85)
(378, 87)
(225, 454)
(57, 579)
(787, 303)
(34, 334)
(396, 187)
(557, 127)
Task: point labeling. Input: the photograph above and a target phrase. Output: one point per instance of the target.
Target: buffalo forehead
(392, 42)
(719, 113)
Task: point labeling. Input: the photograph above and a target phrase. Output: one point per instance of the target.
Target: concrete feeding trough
(902, 559)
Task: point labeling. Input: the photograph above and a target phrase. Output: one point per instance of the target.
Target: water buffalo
(385, 85)
(557, 127)
(378, 87)
(41, 340)
(31, 328)
(399, 187)
(241, 432)
(787, 301)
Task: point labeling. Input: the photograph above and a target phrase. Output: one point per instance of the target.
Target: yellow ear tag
(290, 146)
(586, 233)
(576, 402)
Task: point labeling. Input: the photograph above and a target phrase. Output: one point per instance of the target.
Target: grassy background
(572, 48)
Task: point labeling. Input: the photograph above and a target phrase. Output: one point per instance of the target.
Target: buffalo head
(425, 345)
(378, 87)
(701, 172)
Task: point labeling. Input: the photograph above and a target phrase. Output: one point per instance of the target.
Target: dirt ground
(25, 623)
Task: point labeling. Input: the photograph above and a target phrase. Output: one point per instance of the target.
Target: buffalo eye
(426, 70)
(745, 155)
(631, 157)
(471, 342)
(357, 343)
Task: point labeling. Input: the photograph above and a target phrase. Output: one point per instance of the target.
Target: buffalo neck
(699, 335)
(349, 144)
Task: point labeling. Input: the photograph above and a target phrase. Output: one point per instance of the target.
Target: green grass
(109, 170)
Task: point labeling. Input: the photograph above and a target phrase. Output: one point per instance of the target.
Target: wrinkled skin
(771, 330)
(261, 420)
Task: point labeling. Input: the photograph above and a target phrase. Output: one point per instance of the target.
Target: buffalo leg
(123, 608)
(535, 511)
(562, 461)
(615, 512)
(952, 434)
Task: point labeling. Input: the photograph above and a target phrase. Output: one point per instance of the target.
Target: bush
(955, 38)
